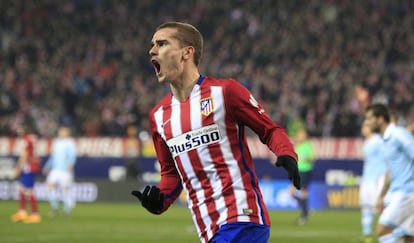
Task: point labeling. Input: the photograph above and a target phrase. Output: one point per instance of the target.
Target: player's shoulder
(212, 81)
(30, 137)
(166, 100)
(375, 139)
(402, 134)
(229, 85)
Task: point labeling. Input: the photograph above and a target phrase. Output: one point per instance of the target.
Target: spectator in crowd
(97, 77)
(59, 169)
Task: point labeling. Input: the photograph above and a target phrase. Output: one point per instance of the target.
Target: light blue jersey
(63, 154)
(374, 163)
(399, 156)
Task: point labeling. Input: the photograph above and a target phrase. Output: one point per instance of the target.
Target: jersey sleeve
(407, 142)
(71, 153)
(170, 184)
(246, 110)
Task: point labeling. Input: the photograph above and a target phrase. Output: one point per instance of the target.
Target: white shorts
(60, 178)
(369, 192)
(399, 212)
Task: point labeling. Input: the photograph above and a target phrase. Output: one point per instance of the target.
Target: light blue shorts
(398, 212)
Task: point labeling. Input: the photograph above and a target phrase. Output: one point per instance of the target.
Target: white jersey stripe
(196, 122)
(207, 163)
(158, 119)
(217, 94)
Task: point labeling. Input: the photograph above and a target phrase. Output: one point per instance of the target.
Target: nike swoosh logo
(165, 123)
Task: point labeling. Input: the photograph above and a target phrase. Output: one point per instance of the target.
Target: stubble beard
(376, 129)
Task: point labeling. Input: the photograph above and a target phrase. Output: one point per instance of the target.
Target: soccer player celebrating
(396, 199)
(372, 180)
(198, 131)
(26, 168)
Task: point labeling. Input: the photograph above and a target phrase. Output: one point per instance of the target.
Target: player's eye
(161, 43)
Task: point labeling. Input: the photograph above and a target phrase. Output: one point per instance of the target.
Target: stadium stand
(86, 63)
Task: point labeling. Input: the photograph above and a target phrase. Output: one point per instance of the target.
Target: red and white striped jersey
(31, 164)
(201, 146)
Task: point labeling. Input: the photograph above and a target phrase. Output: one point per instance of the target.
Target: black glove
(151, 198)
(291, 166)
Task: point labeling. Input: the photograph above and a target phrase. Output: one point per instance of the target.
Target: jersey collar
(388, 131)
(200, 79)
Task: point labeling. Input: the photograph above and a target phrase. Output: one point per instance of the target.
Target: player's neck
(183, 87)
(383, 128)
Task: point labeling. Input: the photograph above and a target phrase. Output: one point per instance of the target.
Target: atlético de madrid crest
(206, 106)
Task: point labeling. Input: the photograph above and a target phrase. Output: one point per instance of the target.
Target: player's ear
(188, 52)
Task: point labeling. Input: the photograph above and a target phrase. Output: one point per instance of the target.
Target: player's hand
(291, 166)
(151, 198)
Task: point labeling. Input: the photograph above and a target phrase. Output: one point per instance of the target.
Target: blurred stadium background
(85, 63)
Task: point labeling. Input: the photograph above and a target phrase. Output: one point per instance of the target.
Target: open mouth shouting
(157, 66)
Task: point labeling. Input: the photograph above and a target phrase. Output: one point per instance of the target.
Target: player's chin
(161, 79)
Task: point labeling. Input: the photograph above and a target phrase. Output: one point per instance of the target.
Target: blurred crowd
(312, 63)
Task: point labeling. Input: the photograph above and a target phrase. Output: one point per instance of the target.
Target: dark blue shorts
(305, 179)
(242, 232)
(27, 180)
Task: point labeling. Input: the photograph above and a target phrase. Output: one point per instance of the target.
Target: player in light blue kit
(372, 180)
(59, 169)
(396, 199)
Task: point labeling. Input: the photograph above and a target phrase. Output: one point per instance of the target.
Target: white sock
(54, 204)
(367, 220)
(68, 200)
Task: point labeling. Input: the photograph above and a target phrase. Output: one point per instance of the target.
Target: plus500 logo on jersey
(194, 139)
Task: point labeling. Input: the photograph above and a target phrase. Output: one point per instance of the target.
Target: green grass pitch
(127, 222)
